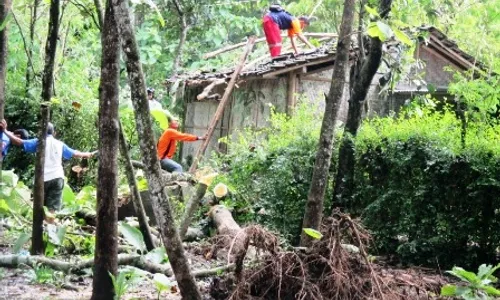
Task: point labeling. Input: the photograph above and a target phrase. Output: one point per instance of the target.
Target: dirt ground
(19, 284)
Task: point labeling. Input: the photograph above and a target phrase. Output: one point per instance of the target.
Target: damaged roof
(324, 56)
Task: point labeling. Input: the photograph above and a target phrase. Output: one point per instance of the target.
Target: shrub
(269, 172)
(415, 181)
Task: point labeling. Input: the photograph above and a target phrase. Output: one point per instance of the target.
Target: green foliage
(313, 233)
(132, 235)
(124, 281)
(42, 274)
(14, 196)
(162, 283)
(268, 172)
(414, 180)
(478, 286)
(157, 255)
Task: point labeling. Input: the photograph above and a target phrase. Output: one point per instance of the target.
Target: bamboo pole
(222, 104)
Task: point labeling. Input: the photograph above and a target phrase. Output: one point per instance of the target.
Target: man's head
(151, 93)
(276, 7)
(173, 122)
(50, 128)
(22, 134)
(305, 21)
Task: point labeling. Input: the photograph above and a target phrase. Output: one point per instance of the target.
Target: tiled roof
(325, 55)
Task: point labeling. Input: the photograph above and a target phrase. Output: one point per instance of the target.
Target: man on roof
(278, 19)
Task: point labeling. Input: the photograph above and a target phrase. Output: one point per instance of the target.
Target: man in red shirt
(167, 144)
(278, 19)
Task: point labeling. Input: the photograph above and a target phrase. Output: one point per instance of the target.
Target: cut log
(14, 261)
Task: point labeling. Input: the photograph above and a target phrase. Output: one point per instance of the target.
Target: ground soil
(19, 284)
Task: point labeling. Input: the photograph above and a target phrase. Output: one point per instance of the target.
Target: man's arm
(292, 40)
(69, 153)
(13, 139)
(304, 39)
(79, 154)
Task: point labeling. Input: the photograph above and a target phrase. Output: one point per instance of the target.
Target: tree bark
(4, 10)
(191, 207)
(361, 80)
(106, 251)
(29, 68)
(135, 195)
(100, 14)
(163, 213)
(47, 89)
(37, 246)
(182, 38)
(314, 206)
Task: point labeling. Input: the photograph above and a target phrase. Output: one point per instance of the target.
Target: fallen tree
(135, 260)
(327, 270)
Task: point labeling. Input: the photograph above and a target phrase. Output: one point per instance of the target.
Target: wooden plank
(290, 97)
(262, 39)
(286, 70)
(222, 104)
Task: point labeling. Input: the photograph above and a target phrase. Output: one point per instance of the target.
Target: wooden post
(222, 104)
(290, 97)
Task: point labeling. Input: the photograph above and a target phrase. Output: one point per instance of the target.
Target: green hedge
(426, 198)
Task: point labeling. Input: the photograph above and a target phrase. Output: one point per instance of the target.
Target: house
(280, 81)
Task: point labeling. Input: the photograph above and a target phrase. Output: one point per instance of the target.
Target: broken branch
(208, 88)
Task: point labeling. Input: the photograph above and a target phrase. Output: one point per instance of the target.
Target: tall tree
(184, 26)
(29, 67)
(4, 11)
(362, 74)
(47, 90)
(106, 250)
(163, 211)
(314, 206)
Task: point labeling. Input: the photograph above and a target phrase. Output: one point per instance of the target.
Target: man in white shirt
(153, 103)
(55, 151)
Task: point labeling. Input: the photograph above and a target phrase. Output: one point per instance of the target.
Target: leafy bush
(269, 172)
(478, 286)
(424, 196)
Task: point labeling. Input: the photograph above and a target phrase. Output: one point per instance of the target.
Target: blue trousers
(170, 166)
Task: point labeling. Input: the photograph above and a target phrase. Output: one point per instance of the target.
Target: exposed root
(327, 270)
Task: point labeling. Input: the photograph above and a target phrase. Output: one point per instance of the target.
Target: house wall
(249, 104)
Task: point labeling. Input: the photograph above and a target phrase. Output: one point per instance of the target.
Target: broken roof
(324, 57)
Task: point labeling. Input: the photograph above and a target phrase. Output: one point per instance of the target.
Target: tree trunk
(180, 47)
(163, 213)
(4, 10)
(37, 247)
(135, 195)
(29, 67)
(47, 89)
(361, 81)
(106, 250)
(191, 207)
(100, 14)
(314, 206)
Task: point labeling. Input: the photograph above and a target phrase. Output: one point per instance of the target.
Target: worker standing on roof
(278, 19)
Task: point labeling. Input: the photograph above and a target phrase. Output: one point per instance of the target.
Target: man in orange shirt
(167, 144)
(278, 19)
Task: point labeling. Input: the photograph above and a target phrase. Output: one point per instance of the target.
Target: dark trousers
(53, 193)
